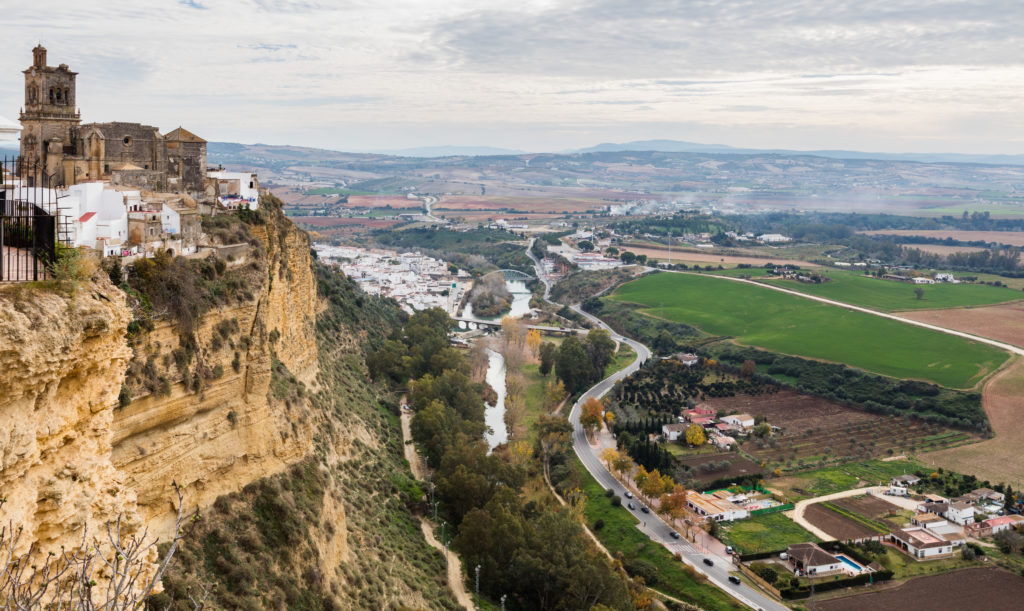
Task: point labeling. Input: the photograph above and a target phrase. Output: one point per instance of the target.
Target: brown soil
(990, 588)
(997, 459)
(548, 205)
(867, 506)
(1014, 238)
(1004, 323)
(837, 525)
(813, 428)
(382, 201)
(739, 466)
(941, 249)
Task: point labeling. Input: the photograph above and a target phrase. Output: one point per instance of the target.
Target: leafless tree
(104, 575)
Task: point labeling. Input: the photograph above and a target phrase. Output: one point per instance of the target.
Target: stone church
(57, 150)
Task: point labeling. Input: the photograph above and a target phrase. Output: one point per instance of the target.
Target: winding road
(650, 524)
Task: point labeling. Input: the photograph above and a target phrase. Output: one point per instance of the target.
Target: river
(520, 302)
(494, 415)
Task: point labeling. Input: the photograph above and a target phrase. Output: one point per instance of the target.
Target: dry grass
(703, 258)
(998, 459)
(939, 249)
(549, 205)
(382, 201)
(1004, 322)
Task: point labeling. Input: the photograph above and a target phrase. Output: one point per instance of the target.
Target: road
(977, 338)
(653, 526)
(428, 202)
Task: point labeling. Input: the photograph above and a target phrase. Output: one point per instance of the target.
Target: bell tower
(49, 120)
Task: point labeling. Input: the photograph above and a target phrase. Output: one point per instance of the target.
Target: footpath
(455, 581)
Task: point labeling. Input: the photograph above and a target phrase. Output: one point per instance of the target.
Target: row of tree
(534, 554)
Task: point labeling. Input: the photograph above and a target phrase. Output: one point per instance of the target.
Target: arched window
(51, 95)
(58, 94)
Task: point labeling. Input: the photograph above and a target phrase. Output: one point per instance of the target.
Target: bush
(72, 265)
(124, 398)
(616, 501)
(642, 568)
(599, 524)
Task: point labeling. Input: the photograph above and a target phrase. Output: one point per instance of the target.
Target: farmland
(889, 295)
(703, 472)
(815, 429)
(788, 324)
(764, 533)
(1013, 238)
(1004, 322)
(998, 589)
(841, 527)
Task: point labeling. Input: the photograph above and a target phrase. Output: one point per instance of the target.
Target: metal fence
(28, 224)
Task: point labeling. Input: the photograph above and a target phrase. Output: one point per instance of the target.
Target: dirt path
(455, 580)
(997, 459)
(415, 460)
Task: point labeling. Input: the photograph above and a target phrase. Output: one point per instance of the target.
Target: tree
(554, 394)
(548, 352)
(623, 464)
(572, 365)
(665, 343)
(628, 257)
(609, 419)
(763, 430)
(748, 368)
(673, 502)
(654, 485)
(590, 415)
(695, 435)
(533, 341)
(611, 251)
(111, 572)
(585, 245)
(919, 293)
(600, 347)
(609, 456)
(641, 259)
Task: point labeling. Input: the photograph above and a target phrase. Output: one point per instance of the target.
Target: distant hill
(451, 151)
(679, 146)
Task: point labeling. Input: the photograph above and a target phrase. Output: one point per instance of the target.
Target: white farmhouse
(742, 420)
(773, 238)
(673, 431)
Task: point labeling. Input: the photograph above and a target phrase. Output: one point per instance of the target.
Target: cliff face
(62, 360)
(244, 421)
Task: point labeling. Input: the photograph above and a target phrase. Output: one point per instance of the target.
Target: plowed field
(990, 588)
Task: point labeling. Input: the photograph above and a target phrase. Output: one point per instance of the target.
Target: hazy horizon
(552, 75)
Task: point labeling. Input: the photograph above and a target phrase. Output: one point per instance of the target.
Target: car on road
(734, 579)
(631, 506)
(674, 534)
(644, 509)
(627, 494)
(709, 562)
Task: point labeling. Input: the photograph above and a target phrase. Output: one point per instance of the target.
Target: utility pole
(476, 602)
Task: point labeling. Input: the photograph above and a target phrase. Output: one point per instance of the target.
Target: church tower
(49, 121)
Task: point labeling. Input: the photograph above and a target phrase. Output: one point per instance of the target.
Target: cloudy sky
(541, 75)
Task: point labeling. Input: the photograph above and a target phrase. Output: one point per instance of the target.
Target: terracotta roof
(85, 217)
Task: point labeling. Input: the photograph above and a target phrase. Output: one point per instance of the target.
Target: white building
(9, 130)
(773, 238)
(715, 506)
(809, 559)
(922, 280)
(742, 420)
(237, 188)
(674, 431)
(921, 542)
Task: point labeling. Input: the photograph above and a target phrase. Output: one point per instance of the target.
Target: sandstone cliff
(62, 356)
(237, 424)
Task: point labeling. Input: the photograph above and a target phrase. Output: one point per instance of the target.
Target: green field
(789, 324)
(889, 295)
(765, 533)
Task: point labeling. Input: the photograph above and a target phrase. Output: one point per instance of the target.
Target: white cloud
(884, 75)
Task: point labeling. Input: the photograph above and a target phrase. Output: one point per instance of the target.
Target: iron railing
(28, 223)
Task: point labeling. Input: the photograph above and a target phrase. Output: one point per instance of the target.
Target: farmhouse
(987, 494)
(922, 280)
(900, 485)
(687, 359)
(743, 420)
(921, 542)
(674, 431)
(698, 412)
(809, 559)
(773, 238)
(995, 525)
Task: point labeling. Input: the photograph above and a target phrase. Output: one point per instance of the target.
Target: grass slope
(792, 325)
(888, 295)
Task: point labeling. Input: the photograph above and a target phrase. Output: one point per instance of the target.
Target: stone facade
(57, 150)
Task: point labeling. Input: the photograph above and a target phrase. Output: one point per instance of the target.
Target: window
(127, 141)
(51, 95)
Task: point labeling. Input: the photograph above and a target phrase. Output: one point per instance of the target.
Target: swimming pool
(856, 568)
